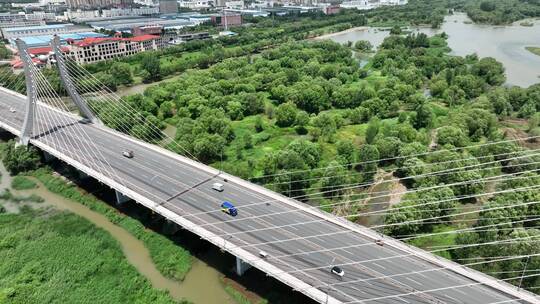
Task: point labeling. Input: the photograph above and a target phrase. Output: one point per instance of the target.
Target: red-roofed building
(98, 49)
(91, 50)
(46, 50)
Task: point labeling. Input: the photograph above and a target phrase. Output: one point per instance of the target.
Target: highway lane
(163, 177)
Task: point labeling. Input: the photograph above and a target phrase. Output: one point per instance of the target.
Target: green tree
(308, 151)
(368, 161)
(151, 65)
(372, 129)
(19, 159)
(334, 180)
(490, 70)
(327, 124)
(121, 72)
(209, 147)
(346, 150)
(363, 45)
(286, 114)
(451, 135)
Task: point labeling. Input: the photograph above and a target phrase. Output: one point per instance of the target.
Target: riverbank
(351, 30)
(134, 249)
(48, 253)
(465, 37)
(173, 261)
(533, 49)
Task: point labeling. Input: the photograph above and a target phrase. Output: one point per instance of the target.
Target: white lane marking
(453, 299)
(380, 266)
(414, 281)
(422, 275)
(347, 251)
(352, 287)
(404, 300)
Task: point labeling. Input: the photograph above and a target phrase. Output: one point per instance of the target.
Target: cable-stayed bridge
(301, 242)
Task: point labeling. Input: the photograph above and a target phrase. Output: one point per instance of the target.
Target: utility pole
(221, 163)
(225, 17)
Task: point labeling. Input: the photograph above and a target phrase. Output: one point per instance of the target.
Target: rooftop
(43, 50)
(93, 41)
(38, 27)
(44, 40)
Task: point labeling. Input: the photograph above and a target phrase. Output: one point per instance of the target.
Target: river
(504, 43)
(202, 283)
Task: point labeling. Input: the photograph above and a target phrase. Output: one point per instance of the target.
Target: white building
(371, 4)
(147, 2)
(37, 16)
(196, 4)
(128, 12)
(81, 15)
(235, 4)
(115, 12)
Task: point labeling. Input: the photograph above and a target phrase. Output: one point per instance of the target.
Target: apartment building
(91, 4)
(98, 49)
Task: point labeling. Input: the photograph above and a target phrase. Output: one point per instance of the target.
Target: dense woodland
(304, 118)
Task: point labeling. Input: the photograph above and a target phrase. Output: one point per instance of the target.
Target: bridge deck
(184, 188)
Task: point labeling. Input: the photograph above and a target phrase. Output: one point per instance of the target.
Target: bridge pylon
(84, 110)
(31, 93)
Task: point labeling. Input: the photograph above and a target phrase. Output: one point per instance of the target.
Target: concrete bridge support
(121, 198)
(241, 266)
(83, 175)
(48, 157)
(170, 227)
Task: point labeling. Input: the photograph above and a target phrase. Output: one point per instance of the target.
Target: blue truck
(229, 208)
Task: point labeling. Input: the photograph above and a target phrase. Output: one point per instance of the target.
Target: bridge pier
(83, 175)
(241, 266)
(121, 198)
(170, 227)
(48, 157)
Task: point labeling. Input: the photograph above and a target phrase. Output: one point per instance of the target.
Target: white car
(337, 271)
(217, 186)
(263, 254)
(128, 154)
(12, 110)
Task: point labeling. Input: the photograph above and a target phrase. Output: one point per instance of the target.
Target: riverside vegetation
(84, 271)
(61, 258)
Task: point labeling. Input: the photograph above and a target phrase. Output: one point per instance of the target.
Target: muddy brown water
(201, 285)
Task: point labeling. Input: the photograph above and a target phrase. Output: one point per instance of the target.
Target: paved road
(185, 189)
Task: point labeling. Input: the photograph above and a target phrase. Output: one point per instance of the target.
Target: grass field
(22, 183)
(534, 50)
(53, 257)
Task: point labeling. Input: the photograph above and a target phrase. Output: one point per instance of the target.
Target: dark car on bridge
(229, 208)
